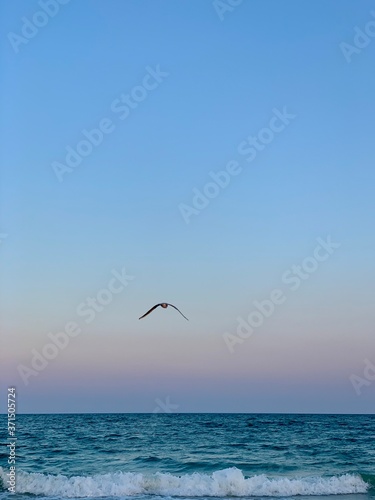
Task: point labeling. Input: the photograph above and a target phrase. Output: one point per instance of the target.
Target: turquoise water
(192, 456)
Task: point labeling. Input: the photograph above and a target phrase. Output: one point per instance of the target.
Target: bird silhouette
(164, 305)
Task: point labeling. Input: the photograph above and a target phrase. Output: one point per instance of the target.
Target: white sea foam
(227, 482)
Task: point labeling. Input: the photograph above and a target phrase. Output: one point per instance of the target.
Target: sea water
(191, 456)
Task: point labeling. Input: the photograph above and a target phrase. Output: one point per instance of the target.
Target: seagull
(164, 305)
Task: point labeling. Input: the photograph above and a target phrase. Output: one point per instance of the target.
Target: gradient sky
(120, 206)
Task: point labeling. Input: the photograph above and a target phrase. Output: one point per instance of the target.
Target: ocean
(202, 456)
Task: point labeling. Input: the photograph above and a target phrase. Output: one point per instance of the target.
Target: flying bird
(164, 305)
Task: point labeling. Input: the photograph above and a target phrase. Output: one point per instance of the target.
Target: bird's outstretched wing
(178, 311)
(148, 312)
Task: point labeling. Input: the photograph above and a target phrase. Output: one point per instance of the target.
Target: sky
(217, 155)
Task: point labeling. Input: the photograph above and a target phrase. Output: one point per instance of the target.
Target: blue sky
(120, 207)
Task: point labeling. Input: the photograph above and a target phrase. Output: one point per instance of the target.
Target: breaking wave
(227, 482)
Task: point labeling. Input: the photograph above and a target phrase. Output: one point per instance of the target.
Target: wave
(227, 482)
